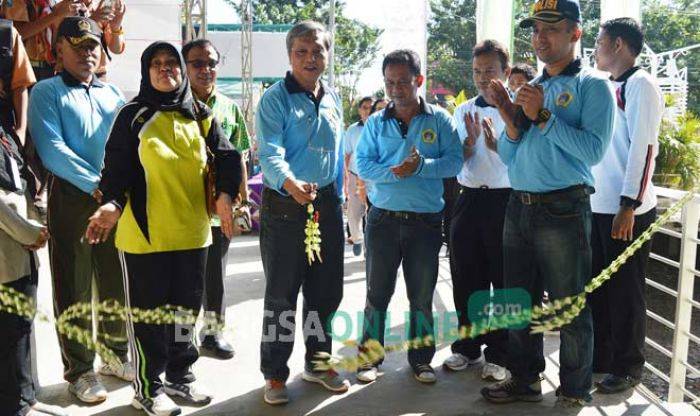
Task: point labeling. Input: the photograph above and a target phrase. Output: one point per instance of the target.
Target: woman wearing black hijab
(153, 184)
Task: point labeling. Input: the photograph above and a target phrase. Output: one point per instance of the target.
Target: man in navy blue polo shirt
(558, 128)
(299, 128)
(405, 151)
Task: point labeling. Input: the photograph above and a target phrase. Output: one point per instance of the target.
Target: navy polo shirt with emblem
(573, 140)
(386, 141)
(300, 136)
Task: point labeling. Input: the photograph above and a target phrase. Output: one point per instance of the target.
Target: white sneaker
(87, 388)
(367, 374)
(161, 405)
(124, 371)
(459, 362)
(191, 392)
(493, 372)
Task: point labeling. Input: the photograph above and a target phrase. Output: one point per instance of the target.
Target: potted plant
(678, 161)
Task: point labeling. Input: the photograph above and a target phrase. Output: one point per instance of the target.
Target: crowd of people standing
(554, 181)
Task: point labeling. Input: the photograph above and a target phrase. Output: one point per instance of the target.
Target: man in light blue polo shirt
(558, 128)
(299, 129)
(405, 151)
(70, 116)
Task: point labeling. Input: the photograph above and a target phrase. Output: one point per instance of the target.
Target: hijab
(180, 99)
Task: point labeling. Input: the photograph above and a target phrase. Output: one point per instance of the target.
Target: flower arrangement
(313, 236)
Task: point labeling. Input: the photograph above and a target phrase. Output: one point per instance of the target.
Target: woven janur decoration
(313, 236)
(557, 314)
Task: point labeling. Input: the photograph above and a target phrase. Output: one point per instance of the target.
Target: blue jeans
(416, 242)
(287, 271)
(547, 246)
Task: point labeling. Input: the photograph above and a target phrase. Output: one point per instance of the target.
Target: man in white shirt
(476, 230)
(356, 204)
(624, 205)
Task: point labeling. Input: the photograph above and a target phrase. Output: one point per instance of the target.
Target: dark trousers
(287, 270)
(75, 265)
(476, 263)
(415, 243)
(153, 280)
(450, 194)
(547, 247)
(619, 305)
(17, 393)
(217, 257)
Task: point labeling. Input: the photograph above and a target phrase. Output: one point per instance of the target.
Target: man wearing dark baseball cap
(558, 127)
(553, 11)
(78, 29)
(70, 116)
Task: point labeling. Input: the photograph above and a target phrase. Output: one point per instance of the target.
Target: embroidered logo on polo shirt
(428, 136)
(564, 99)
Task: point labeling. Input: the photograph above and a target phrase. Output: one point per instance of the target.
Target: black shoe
(612, 384)
(217, 345)
(512, 390)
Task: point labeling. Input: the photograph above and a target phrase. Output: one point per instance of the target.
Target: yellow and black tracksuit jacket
(155, 167)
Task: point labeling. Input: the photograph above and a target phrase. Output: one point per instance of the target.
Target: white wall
(269, 53)
(145, 22)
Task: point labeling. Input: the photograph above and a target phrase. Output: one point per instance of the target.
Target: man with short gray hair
(299, 128)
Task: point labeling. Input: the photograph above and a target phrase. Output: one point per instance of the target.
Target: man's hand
(472, 123)
(102, 222)
(40, 241)
(408, 166)
(119, 11)
(623, 224)
(489, 134)
(362, 191)
(224, 211)
(531, 98)
(97, 195)
(302, 192)
(498, 95)
(68, 8)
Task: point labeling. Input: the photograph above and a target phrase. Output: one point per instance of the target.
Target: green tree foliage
(668, 25)
(356, 44)
(674, 25)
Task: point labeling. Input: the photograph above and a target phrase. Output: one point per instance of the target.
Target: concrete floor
(237, 383)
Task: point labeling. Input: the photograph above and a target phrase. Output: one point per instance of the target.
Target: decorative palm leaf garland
(555, 315)
(313, 236)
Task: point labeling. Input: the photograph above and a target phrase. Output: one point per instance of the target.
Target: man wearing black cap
(558, 127)
(69, 118)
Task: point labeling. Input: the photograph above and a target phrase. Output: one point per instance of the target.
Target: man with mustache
(202, 60)
(558, 128)
(70, 116)
(299, 126)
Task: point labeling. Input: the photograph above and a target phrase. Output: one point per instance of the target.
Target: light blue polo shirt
(574, 139)
(352, 137)
(70, 123)
(299, 137)
(386, 142)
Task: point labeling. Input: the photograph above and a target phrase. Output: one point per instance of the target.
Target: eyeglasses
(199, 63)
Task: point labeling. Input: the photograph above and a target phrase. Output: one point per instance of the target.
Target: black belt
(573, 192)
(285, 206)
(326, 191)
(405, 215)
(483, 188)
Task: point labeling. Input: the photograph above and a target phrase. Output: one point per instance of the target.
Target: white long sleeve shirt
(484, 168)
(628, 164)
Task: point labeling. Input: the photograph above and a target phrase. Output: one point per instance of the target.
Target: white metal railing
(690, 218)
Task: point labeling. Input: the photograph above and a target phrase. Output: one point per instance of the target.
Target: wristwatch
(543, 116)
